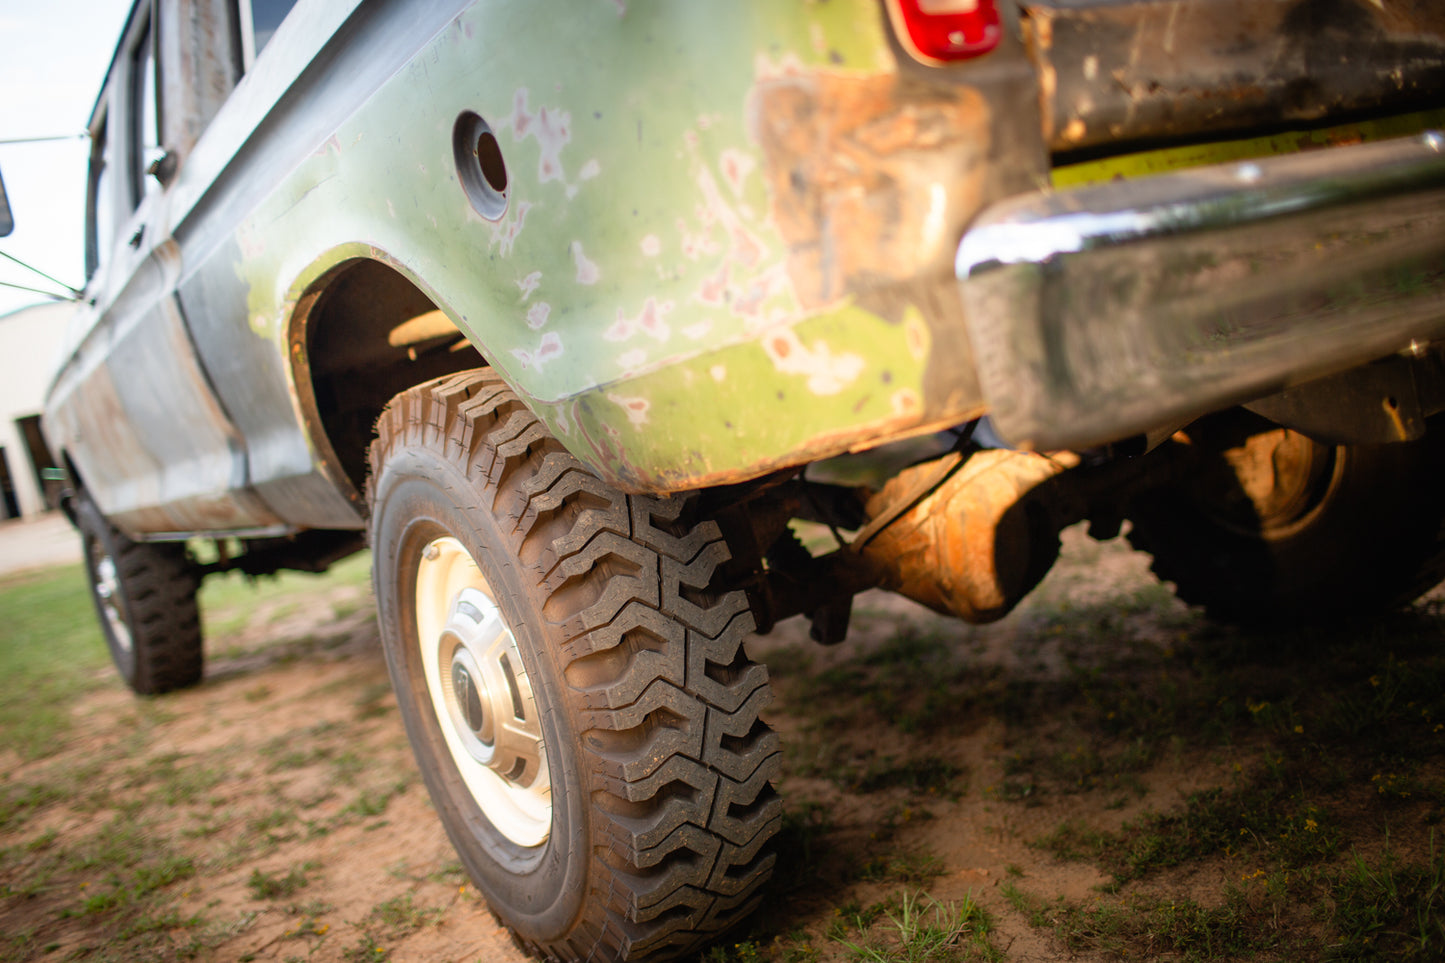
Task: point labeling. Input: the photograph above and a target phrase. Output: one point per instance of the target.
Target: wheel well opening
(368, 335)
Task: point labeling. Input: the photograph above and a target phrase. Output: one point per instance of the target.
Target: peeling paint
(549, 348)
(551, 127)
(529, 284)
(744, 246)
(736, 166)
(521, 120)
(713, 289)
(827, 373)
(552, 134)
(651, 322)
(905, 402)
(506, 231)
(635, 408)
(587, 272)
(695, 246)
(788, 65)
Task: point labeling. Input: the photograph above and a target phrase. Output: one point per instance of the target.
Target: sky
(53, 57)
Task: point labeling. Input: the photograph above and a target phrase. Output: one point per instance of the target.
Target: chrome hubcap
(107, 587)
(481, 694)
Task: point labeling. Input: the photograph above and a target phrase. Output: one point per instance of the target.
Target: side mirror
(7, 221)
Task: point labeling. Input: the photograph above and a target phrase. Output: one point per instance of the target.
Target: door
(133, 407)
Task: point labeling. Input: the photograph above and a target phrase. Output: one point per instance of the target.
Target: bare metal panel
(1120, 71)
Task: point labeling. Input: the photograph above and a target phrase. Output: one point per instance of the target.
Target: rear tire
(1276, 528)
(608, 795)
(145, 598)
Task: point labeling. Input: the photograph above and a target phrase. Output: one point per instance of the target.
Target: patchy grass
(915, 928)
(53, 652)
(1154, 927)
(277, 886)
(110, 831)
(400, 915)
(1259, 821)
(1391, 907)
(234, 602)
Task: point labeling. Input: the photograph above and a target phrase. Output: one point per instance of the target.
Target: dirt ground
(922, 754)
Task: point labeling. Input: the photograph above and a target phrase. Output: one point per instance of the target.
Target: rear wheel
(1275, 527)
(145, 597)
(572, 681)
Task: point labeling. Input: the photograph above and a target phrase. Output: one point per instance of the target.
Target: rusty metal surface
(851, 164)
(972, 546)
(200, 68)
(1124, 71)
(143, 429)
(135, 413)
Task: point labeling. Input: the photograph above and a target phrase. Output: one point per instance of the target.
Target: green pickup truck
(573, 312)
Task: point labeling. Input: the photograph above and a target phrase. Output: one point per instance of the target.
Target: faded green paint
(734, 400)
(636, 287)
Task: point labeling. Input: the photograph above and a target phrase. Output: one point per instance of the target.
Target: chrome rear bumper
(1102, 312)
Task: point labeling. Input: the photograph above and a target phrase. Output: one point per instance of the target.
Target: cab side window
(125, 142)
(100, 199)
(259, 20)
(144, 108)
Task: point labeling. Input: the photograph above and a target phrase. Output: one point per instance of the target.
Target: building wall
(30, 345)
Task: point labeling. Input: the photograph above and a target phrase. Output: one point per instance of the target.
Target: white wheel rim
(481, 695)
(107, 586)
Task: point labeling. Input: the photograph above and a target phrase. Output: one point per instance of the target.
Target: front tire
(572, 681)
(145, 598)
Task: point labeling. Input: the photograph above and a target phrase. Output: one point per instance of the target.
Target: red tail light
(947, 29)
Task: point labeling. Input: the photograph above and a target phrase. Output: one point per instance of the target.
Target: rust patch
(1127, 71)
(870, 179)
(962, 540)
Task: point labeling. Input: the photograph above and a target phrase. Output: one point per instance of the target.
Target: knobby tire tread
(676, 758)
(159, 582)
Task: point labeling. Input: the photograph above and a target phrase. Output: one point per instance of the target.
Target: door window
(145, 114)
(100, 200)
(259, 20)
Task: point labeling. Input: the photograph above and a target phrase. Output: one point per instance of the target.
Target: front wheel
(572, 681)
(145, 598)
